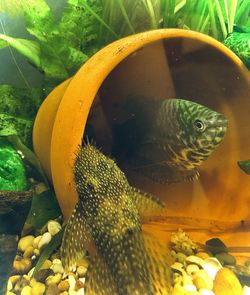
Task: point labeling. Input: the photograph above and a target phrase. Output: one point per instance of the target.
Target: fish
(106, 222)
(167, 140)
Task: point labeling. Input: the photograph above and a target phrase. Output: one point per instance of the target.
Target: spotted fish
(107, 220)
(167, 140)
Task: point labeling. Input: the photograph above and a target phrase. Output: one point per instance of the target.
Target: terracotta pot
(161, 63)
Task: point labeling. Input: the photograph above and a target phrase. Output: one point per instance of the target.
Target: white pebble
(190, 288)
(246, 290)
(211, 265)
(46, 238)
(25, 242)
(80, 291)
(82, 280)
(72, 283)
(54, 227)
(206, 292)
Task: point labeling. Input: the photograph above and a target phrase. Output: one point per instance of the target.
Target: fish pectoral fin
(147, 204)
(75, 239)
(99, 280)
(159, 260)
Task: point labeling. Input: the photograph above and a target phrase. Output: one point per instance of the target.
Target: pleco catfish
(168, 139)
(126, 260)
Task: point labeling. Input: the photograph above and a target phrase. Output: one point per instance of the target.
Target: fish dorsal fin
(76, 239)
(159, 259)
(147, 204)
(99, 280)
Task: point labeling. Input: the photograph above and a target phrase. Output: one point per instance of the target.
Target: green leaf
(44, 207)
(29, 49)
(40, 21)
(49, 249)
(12, 170)
(3, 44)
(245, 166)
(28, 156)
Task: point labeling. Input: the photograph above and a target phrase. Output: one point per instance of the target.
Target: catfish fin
(159, 259)
(75, 239)
(147, 204)
(99, 280)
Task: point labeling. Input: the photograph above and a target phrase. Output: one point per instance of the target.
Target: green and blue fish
(167, 140)
(107, 218)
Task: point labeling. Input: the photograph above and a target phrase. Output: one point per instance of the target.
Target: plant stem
(90, 10)
(124, 13)
(150, 8)
(221, 19)
(212, 19)
(232, 15)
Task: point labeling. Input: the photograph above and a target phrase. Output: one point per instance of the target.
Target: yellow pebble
(63, 286)
(25, 242)
(226, 283)
(14, 279)
(22, 266)
(27, 290)
(38, 288)
(178, 290)
(203, 255)
(28, 252)
(47, 264)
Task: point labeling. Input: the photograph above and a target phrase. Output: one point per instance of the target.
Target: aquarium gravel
(195, 270)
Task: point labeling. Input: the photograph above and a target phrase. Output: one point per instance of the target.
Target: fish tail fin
(99, 280)
(159, 260)
(75, 239)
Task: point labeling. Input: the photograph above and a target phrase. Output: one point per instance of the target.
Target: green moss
(12, 171)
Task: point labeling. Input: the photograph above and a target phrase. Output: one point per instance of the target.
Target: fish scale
(164, 139)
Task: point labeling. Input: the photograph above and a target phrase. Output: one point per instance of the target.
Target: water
(173, 64)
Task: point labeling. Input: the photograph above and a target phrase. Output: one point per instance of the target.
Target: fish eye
(199, 125)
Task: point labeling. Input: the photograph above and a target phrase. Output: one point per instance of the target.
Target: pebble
(64, 293)
(9, 285)
(246, 290)
(57, 266)
(203, 255)
(52, 280)
(206, 292)
(226, 283)
(191, 269)
(46, 238)
(27, 290)
(194, 260)
(25, 242)
(14, 279)
(215, 246)
(79, 285)
(43, 274)
(72, 282)
(80, 292)
(180, 257)
(52, 290)
(54, 227)
(47, 264)
(38, 288)
(81, 270)
(211, 265)
(36, 252)
(202, 280)
(178, 290)
(28, 252)
(36, 241)
(10, 293)
(22, 266)
(225, 258)
(177, 266)
(63, 286)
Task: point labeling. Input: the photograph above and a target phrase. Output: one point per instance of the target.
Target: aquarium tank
(124, 147)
